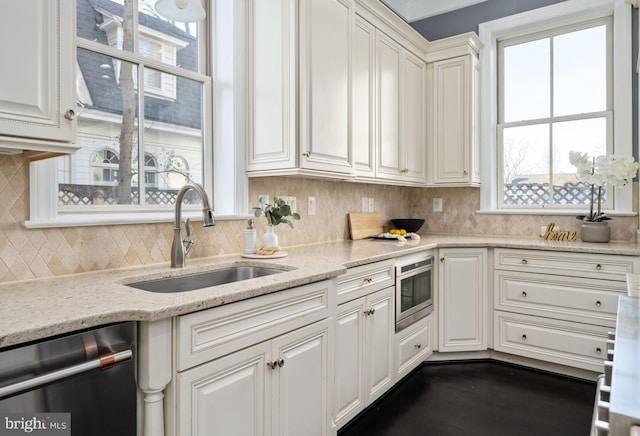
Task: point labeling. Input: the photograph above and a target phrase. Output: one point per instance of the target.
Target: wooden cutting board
(364, 225)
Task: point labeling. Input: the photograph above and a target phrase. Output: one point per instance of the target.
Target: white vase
(269, 239)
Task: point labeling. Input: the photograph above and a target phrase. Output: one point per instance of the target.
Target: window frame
(224, 150)
(564, 14)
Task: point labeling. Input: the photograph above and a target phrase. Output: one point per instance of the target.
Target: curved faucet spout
(180, 247)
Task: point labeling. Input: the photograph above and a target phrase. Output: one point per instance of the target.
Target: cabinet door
(38, 75)
(227, 396)
(456, 159)
(272, 85)
(325, 57)
(380, 330)
(301, 389)
(388, 134)
(350, 364)
(462, 304)
(363, 95)
(414, 116)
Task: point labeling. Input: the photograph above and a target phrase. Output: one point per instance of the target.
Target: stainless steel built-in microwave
(414, 290)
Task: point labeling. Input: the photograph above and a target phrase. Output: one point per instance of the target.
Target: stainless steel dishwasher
(87, 378)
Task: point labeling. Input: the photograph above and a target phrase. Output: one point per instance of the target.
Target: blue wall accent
(467, 19)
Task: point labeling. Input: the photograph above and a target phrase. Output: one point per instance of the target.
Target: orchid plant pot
(595, 231)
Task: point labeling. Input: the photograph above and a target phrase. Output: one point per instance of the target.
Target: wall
(39, 253)
(467, 19)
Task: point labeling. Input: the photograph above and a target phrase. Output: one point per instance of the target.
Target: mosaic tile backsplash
(40, 253)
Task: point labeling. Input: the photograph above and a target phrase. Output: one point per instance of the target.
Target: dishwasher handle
(103, 362)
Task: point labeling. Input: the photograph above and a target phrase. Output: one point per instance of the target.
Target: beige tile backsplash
(37, 253)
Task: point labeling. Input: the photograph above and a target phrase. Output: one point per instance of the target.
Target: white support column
(154, 372)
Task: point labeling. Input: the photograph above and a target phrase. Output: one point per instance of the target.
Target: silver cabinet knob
(598, 303)
(280, 363)
(368, 280)
(524, 337)
(598, 350)
(598, 267)
(524, 261)
(524, 294)
(70, 115)
(306, 154)
(418, 346)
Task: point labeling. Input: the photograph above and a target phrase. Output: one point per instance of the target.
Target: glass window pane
(110, 22)
(526, 165)
(102, 21)
(166, 41)
(107, 132)
(526, 81)
(587, 136)
(173, 135)
(580, 72)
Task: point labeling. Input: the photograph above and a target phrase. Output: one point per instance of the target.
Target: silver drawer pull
(524, 337)
(598, 303)
(368, 280)
(524, 294)
(524, 261)
(598, 267)
(598, 350)
(280, 363)
(418, 346)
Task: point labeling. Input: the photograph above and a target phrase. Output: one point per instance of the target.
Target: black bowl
(411, 225)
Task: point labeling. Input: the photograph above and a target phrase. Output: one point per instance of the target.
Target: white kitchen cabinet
(413, 346)
(277, 387)
(454, 147)
(558, 306)
(401, 111)
(363, 81)
(257, 366)
(37, 97)
(364, 341)
(300, 88)
(462, 299)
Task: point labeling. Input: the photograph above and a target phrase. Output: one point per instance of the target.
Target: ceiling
(414, 10)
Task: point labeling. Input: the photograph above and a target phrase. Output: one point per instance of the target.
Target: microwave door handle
(103, 362)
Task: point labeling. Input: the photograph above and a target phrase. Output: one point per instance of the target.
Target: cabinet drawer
(600, 266)
(564, 342)
(569, 298)
(209, 334)
(413, 346)
(365, 279)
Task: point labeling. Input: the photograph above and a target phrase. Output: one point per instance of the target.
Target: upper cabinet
(37, 99)
(401, 110)
(300, 88)
(338, 89)
(454, 147)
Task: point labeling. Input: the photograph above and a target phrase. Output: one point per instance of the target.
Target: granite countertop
(36, 309)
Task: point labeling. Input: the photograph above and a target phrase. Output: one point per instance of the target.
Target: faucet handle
(187, 241)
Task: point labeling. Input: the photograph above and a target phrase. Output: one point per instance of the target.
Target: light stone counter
(35, 309)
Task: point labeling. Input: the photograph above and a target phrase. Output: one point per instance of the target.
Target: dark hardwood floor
(480, 398)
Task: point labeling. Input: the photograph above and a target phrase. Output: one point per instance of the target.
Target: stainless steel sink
(190, 282)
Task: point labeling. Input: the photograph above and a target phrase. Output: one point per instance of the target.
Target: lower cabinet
(364, 341)
(277, 387)
(462, 299)
(413, 346)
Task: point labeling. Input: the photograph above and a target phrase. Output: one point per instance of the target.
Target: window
(554, 97)
(554, 79)
(168, 69)
(104, 167)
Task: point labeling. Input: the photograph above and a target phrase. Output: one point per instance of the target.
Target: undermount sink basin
(191, 282)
